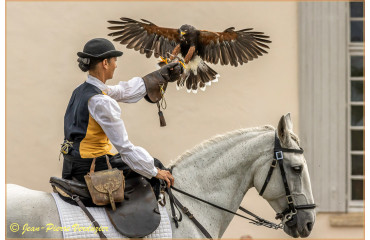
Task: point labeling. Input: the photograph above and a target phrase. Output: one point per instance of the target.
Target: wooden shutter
(323, 81)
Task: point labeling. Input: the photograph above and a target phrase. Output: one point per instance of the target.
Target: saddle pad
(76, 224)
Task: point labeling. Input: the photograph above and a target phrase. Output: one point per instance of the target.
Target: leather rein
(288, 216)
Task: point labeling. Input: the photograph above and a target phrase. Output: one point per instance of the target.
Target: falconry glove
(156, 84)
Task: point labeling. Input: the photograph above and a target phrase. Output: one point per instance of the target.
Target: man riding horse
(92, 119)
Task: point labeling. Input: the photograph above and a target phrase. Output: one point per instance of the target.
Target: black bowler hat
(99, 48)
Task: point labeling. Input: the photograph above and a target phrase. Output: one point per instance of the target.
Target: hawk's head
(187, 33)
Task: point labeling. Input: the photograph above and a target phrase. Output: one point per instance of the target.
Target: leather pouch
(107, 186)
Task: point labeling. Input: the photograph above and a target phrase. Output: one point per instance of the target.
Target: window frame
(354, 49)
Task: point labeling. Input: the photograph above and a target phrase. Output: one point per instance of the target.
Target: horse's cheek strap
(272, 167)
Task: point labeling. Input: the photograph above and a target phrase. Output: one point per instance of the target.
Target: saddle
(137, 216)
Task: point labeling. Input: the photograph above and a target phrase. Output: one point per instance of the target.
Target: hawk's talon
(182, 63)
(165, 60)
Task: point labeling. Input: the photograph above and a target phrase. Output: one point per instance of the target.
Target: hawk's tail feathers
(199, 79)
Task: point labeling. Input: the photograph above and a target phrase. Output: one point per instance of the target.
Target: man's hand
(167, 176)
(172, 71)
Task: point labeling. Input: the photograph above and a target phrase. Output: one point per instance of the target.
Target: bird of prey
(194, 47)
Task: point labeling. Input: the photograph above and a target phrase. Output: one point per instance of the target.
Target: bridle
(288, 216)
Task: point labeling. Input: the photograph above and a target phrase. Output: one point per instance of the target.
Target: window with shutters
(331, 77)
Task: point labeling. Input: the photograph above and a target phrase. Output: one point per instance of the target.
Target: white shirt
(105, 110)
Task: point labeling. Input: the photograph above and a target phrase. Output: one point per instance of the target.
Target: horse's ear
(284, 126)
(289, 122)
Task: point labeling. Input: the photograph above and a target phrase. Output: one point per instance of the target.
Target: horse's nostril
(309, 226)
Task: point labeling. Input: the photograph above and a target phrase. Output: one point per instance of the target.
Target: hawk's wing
(231, 46)
(145, 37)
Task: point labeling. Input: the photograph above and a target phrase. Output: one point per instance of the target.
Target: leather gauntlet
(155, 85)
(156, 82)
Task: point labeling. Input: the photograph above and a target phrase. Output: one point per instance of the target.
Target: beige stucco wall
(42, 39)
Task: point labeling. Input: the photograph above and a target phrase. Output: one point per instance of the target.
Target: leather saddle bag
(107, 186)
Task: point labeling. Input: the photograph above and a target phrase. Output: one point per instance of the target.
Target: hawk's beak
(182, 33)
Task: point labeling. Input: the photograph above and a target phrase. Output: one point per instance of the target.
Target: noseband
(288, 216)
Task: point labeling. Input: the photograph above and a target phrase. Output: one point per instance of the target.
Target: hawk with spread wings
(193, 47)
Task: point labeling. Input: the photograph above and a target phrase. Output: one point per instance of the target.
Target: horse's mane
(217, 139)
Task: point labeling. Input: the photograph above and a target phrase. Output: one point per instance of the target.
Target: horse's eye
(297, 169)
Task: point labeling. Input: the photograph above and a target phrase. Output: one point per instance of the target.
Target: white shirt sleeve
(128, 92)
(107, 114)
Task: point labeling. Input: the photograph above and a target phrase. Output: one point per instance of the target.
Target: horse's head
(292, 200)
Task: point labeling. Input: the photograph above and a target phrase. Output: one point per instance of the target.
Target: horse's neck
(221, 171)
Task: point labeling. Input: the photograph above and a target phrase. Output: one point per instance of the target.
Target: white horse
(220, 170)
